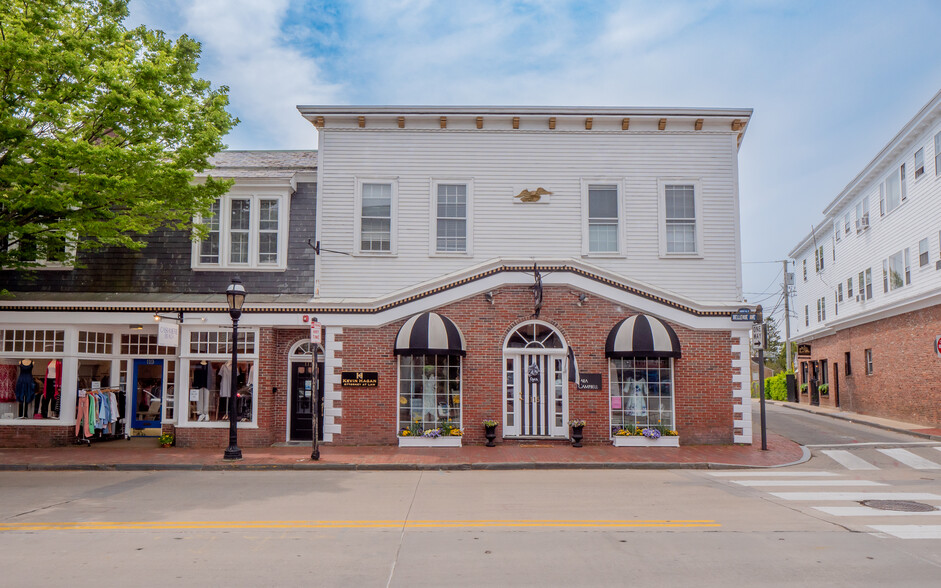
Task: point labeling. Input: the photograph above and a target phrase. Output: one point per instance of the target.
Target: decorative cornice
(384, 307)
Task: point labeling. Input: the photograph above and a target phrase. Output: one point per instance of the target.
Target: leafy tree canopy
(101, 130)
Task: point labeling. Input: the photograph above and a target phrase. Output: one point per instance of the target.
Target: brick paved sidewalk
(144, 454)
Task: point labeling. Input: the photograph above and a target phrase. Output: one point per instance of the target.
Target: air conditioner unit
(864, 222)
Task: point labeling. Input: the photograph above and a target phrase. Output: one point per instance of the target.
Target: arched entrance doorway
(534, 382)
(302, 392)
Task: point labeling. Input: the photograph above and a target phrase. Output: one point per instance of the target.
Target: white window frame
(45, 264)
(937, 154)
(618, 183)
(433, 233)
(919, 163)
(862, 210)
(358, 217)
(923, 254)
(225, 218)
(897, 174)
(188, 357)
(662, 183)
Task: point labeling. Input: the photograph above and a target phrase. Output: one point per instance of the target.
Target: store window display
(210, 390)
(641, 393)
(429, 393)
(30, 389)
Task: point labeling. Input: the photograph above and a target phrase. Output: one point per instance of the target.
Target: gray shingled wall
(164, 265)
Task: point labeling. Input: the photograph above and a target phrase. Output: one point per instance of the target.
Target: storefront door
(303, 391)
(535, 395)
(147, 389)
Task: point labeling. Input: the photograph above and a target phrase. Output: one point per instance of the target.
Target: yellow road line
(431, 524)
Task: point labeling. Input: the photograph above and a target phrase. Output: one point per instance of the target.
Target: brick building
(868, 285)
(529, 266)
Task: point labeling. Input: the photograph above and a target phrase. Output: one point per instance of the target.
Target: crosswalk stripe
(866, 511)
(856, 496)
(910, 531)
(807, 483)
(910, 459)
(848, 460)
(775, 473)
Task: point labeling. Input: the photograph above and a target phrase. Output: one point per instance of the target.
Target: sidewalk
(144, 454)
(933, 434)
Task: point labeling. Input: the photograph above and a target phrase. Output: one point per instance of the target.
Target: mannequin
(225, 389)
(201, 383)
(25, 387)
(50, 388)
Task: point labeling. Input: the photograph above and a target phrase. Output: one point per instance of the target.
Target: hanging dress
(25, 386)
(637, 397)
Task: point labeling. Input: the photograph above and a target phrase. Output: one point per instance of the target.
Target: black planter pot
(491, 435)
(577, 436)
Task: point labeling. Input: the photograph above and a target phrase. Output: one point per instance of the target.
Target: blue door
(147, 394)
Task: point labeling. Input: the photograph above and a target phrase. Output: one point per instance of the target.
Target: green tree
(101, 130)
(774, 347)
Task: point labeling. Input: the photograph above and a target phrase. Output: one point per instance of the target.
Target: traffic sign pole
(761, 377)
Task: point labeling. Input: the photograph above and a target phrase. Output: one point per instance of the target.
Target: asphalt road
(812, 430)
(801, 525)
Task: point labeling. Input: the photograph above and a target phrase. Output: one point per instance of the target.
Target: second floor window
(451, 219)
(376, 218)
(680, 219)
(603, 219)
(896, 271)
(244, 231)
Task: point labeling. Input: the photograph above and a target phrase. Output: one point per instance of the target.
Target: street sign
(937, 345)
(758, 336)
(745, 315)
(315, 337)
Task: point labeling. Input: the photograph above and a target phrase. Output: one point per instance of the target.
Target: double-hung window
(865, 284)
(896, 270)
(892, 191)
(937, 154)
(923, 252)
(919, 163)
(681, 206)
(451, 217)
(375, 217)
(603, 219)
(244, 231)
(862, 214)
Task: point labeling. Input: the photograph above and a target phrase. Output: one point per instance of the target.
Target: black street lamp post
(235, 297)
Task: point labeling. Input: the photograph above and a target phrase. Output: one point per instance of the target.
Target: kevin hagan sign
(359, 379)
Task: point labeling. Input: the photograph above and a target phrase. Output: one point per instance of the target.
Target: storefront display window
(429, 393)
(641, 393)
(30, 388)
(210, 386)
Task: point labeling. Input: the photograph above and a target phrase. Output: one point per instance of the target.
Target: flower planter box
(641, 441)
(449, 441)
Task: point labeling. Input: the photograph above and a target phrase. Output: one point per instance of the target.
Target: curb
(308, 466)
(856, 420)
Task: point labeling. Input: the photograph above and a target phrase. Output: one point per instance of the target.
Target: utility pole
(787, 315)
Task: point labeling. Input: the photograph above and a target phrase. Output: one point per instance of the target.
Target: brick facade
(906, 368)
(702, 377)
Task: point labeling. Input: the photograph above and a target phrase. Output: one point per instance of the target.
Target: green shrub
(776, 387)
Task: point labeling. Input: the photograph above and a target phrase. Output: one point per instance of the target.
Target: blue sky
(831, 82)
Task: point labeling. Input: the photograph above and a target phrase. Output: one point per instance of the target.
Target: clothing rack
(118, 427)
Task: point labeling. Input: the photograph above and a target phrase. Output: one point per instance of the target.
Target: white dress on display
(637, 397)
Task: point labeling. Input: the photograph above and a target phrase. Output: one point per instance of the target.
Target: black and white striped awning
(642, 336)
(429, 334)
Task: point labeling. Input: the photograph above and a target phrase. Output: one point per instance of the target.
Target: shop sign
(589, 381)
(533, 373)
(168, 334)
(803, 349)
(359, 379)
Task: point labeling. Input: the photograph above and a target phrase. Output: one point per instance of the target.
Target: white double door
(535, 394)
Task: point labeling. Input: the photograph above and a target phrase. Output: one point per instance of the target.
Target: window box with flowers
(629, 436)
(446, 435)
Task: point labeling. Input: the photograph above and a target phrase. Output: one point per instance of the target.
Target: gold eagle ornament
(532, 195)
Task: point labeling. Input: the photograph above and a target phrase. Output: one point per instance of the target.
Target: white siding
(502, 163)
(916, 218)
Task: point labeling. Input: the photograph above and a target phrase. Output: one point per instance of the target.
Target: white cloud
(244, 48)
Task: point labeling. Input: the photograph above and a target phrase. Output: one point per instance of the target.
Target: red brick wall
(20, 436)
(703, 376)
(274, 345)
(906, 369)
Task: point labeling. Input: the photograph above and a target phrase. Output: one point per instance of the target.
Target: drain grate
(898, 505)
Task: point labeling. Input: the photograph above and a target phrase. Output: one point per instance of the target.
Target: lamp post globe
(235, 298)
